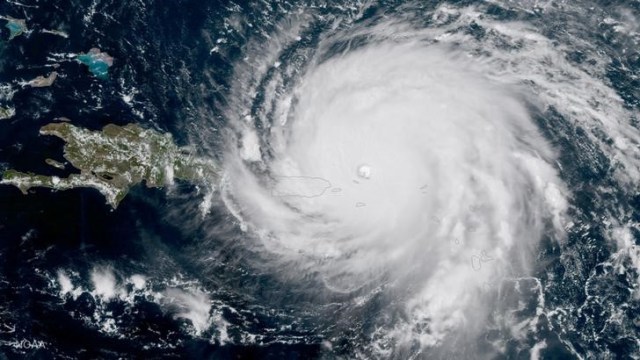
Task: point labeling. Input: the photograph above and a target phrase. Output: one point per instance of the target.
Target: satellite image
(320, 179)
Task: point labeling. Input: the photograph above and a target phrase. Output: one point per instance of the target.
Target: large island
(117, 158)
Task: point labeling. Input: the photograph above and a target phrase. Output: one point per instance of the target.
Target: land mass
(97, 61)
(16, 27)
(7, 113)
(42, 81)
(115, 159)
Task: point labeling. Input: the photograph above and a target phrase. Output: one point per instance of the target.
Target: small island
(115, 159)
(7, 113)
(42, 81)
(98, 62)
(16, 27)
(55, 164)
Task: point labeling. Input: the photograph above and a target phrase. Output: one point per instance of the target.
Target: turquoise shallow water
(15, 28)
(97, 66)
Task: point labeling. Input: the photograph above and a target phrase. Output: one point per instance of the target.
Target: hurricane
(393, 180)
(404, 157)
(400, 164)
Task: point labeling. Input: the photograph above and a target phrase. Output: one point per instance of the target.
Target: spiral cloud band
(399, 164)
(326, 179)
(433, 180)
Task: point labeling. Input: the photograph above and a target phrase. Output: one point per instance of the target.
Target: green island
(7, 113)
(115, 159)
